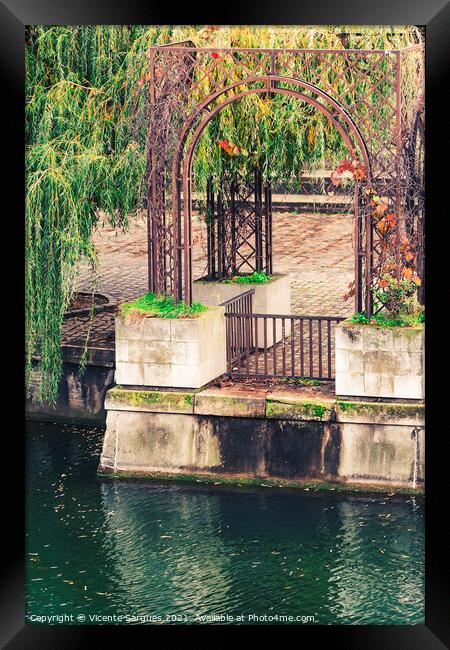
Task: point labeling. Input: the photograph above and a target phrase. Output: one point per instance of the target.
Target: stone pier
(272, 435)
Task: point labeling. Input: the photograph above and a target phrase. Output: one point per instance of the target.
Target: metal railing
(239, 332)
(279, 345)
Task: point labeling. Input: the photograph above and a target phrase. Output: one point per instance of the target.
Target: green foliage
(81, 161)
(385, 319)
(360, 319)
(161, 307)
(398, 296)
(257, 277)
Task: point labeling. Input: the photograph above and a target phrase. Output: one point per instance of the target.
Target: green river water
(121, 551)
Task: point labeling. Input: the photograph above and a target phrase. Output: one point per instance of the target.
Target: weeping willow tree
(80, 160)
(84, 157)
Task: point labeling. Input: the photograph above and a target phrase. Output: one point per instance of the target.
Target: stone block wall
(380, 361)
(180, 353)
(278, 436)
(80, 395)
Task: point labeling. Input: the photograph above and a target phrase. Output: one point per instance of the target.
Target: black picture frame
(435, 16)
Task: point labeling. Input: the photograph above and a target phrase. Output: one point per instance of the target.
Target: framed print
(228, 272)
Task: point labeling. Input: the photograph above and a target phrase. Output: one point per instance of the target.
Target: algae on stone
(141, 398)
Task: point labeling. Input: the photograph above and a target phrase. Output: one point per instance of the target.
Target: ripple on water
(135, 548)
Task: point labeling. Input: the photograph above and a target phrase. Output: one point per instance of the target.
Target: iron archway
(182, 164)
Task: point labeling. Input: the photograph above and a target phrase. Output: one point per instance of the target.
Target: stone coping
(263, 404)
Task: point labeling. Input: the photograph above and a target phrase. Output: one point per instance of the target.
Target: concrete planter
(273, 297)
(173, 352)
(380, 361)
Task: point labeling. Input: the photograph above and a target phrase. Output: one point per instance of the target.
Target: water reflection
(125, 547)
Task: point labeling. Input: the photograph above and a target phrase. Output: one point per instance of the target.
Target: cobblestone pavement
(315, 249)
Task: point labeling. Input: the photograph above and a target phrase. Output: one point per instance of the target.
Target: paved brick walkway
(316, 249)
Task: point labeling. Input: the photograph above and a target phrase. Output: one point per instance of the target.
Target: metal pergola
(373, 97)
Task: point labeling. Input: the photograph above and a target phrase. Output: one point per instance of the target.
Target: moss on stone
(298, 409)
(230, 405)
(327, 411)
(140, 398)
(390, 409)
(411, 330)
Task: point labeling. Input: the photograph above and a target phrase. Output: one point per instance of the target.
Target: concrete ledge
(81, 397)
(263, 437)
(371, 452)
(275, 405)
(149, 442)
(149, 401)
(212, 402)
(294, 408)
(380, 413)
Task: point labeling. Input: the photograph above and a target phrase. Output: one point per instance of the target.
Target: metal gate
(278, 345)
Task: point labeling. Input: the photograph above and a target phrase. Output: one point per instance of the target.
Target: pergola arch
(182, 163)
(270, 81)
(371, 97)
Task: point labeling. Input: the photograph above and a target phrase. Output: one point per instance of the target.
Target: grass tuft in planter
(160, 306)
(254, 278)
(384, 319)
